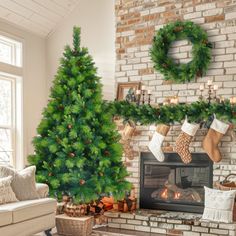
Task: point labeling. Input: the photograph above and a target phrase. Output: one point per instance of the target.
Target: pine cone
(71, 154)
(61, 107)
(178, 28)
(106, 153)
(87, 141)
(199, 73)
(165, 65)
(82, 182)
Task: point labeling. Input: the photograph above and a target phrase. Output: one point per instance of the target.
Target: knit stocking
(157, 140)
(212, 139)
(126, 136)
(183, 141)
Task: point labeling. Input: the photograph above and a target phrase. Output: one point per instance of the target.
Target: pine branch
(76, 38)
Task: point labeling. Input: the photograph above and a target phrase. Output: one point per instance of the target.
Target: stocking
(183, 141)
(126, 136)
(212, 139)
(157, 140)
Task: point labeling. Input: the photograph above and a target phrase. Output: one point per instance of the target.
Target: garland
(201, 51)
(198, 112)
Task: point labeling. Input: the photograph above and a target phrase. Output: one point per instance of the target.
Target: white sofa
(25, 218)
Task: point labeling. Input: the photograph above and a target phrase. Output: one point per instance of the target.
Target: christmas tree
(77, 149)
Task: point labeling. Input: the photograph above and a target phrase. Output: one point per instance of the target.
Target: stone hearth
(170, 223)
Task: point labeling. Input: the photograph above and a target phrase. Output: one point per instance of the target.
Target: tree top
(76, 37)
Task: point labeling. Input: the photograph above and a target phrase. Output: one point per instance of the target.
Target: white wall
(97, 22)
(34, 81)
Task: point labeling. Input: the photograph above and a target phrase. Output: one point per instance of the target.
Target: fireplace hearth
(173, 185)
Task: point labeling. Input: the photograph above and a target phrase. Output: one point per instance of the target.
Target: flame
(177, 196)
(165, 193)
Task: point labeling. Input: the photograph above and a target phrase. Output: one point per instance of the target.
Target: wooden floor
(105, 231)
(42, 234)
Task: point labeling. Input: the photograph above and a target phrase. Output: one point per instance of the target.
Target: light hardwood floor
(54, 233)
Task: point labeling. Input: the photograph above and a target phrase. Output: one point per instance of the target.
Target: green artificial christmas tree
(77, 148)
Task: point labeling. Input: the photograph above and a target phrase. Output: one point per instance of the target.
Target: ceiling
(37, 16)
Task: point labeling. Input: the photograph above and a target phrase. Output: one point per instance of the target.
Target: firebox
(173, 185)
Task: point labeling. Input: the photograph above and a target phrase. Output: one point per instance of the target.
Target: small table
(74, 226)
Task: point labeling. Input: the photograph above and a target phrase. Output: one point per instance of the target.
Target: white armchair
(42, 190)
(25, 218)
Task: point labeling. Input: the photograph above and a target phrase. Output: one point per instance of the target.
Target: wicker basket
(75, 210)
(227, 185)
(74, 226)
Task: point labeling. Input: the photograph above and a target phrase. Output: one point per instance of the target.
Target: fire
(165, 193)
(177, 196)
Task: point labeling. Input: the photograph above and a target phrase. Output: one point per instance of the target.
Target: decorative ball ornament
(201, 51)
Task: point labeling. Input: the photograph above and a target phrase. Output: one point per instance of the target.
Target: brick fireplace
(136, 23)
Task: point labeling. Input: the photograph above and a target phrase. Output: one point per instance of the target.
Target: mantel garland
(198, 112)
(201, 51)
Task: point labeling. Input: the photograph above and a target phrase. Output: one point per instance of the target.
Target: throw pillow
(6, 193)
(23, 183)
(219, 205)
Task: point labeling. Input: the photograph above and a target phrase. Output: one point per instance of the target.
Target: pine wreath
(201, 51)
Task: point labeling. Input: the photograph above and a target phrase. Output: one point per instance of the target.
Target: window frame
(12, 42)
(15, 74)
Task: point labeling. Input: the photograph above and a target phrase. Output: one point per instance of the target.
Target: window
(11, 101)
(10, 51)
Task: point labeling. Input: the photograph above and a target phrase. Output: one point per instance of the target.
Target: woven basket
(75, 210)
(74, 226)
(227, 185)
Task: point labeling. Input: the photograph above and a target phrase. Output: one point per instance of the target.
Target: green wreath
(201, 51)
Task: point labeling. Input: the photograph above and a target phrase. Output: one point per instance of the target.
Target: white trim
(190, 128)
(5, 127)
(14, 70)
(219, 126)
(20, 161)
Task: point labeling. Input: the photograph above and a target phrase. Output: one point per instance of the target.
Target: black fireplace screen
(173, 185)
